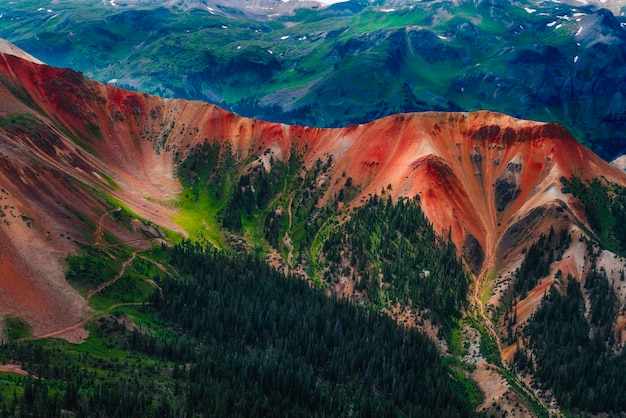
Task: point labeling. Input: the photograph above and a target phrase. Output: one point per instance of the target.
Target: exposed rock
(474, 252)
(76, 145)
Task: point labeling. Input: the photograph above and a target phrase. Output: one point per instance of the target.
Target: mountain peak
(91, 148)
(7, 47)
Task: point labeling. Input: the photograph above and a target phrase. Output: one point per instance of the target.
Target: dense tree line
(538, 259)
(605, 208)
(573, 357)
(395, 240)
(266, 344)
(237, 338)
(84, 386)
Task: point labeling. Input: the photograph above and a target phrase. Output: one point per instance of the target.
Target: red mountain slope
(490, 179)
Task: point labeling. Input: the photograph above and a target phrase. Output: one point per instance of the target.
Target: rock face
(67, 142)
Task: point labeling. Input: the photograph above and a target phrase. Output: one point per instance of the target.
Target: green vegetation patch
(109, 180)
(15, 328)
(392, 252)
(207, 174)
(94, 266)
(605, 208)
(573, 355)
(24, 120)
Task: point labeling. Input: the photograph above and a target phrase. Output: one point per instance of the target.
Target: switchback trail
(97, 290)
(13, 368)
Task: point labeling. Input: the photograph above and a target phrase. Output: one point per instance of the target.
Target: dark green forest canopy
(395, 241)
(605, 209)
(231, 336)
(573, 357)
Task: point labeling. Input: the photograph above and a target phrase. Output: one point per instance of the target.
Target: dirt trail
(287, 238)
(98, 289)
(289, 212)
(117, 305)
(98, 234)
(155, 285)
(159, 265)
(13, 368)
(62, 331)
(78, 325)
(74, 328)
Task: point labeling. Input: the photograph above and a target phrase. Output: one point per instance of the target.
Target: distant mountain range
(351, 62)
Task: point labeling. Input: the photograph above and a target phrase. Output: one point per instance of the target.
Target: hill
(457, 224)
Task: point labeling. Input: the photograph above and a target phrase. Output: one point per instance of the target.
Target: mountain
(350, 62)
(468, 226)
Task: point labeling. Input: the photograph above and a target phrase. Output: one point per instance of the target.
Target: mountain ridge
(337, 66)
(421, 150)
(88, 165)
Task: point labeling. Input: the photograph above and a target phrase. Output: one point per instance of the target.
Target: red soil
(450, 160)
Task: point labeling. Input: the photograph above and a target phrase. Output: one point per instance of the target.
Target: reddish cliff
(62, 138)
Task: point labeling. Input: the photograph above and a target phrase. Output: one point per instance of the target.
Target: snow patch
(529, 10)
(284, 37)
(387, 10)
(580, 29)
(576, 58)
(551, 24)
